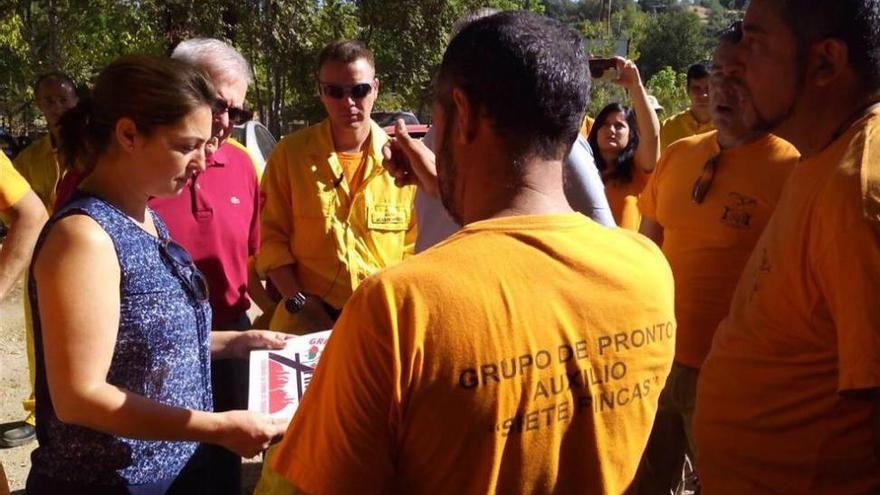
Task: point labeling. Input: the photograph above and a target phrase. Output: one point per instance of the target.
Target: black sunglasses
(704, 181)
(356, 91)
(237, 115)
(195, 281)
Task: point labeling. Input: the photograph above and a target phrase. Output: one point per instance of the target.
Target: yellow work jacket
(38, 164)
(333, 236)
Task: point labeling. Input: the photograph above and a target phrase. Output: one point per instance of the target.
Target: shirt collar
(219, 158)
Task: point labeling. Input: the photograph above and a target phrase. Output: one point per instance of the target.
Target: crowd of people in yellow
(722, 340)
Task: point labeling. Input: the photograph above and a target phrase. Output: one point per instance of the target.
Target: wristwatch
(295, 304)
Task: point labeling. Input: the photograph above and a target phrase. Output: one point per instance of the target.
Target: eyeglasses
(195, 281)
(704, 181)
(356, 91)
(237, 115)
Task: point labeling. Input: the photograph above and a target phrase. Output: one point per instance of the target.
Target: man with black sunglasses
(216, 218)
(332, 215)
(706, 204)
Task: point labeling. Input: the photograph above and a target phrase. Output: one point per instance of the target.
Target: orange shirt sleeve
(13, 186)
(848, 277)
(340, 440)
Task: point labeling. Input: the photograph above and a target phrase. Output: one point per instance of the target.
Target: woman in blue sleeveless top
(121, 318)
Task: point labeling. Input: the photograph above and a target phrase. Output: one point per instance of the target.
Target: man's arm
(27, 218)
(584, 189)
(313, 313)
(411, 162)
(341, 438)
(847, 270)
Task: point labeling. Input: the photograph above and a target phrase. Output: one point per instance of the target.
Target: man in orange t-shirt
(787, 401)
(525, 353)
(706, 204)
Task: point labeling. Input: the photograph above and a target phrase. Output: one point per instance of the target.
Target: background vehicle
(257, 139)
(385, 119)
(8, 144)
(414, 130)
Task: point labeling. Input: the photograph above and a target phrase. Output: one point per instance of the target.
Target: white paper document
(279, 378)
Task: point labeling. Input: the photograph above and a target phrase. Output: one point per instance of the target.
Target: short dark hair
(855, 22)
(151, 91)
(731, 34)
(527, 74)
(622, 169)
(699, 70)
(345, 51)
(53, 76)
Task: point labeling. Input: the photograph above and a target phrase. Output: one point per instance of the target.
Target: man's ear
(127, 134)
(828, 61)
(466, 117)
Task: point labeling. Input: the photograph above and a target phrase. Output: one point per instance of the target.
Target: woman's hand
(248, 433)
(628, 74)
(648, 124)
(237, 345)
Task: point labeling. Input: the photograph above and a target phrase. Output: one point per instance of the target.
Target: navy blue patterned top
(162, 352)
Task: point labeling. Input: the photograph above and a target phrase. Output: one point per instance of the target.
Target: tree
(408, 39)
(282, 40)
(65, 35)
(674, 39)
(670, 89)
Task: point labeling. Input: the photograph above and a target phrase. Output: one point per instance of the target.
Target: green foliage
(604, 93)
(282, 39)
(674, 39)
(670, 89)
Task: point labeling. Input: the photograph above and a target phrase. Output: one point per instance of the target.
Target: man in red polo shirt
(216, 218)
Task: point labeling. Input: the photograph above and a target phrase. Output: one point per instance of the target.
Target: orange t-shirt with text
(708, 244)
(522, 355)
(780, 403)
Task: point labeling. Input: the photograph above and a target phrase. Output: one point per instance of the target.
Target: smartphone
(603, 68)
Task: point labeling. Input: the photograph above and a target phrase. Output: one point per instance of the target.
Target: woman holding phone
(121, 319)
(626, 143)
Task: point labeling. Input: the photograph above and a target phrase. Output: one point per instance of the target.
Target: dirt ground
(15, 386)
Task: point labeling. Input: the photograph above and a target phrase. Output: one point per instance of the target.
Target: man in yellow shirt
(789, 395)
(332, 215)
(706, 204)
(525, 353)
(21, 209)
(696, 119)
(55, 94)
